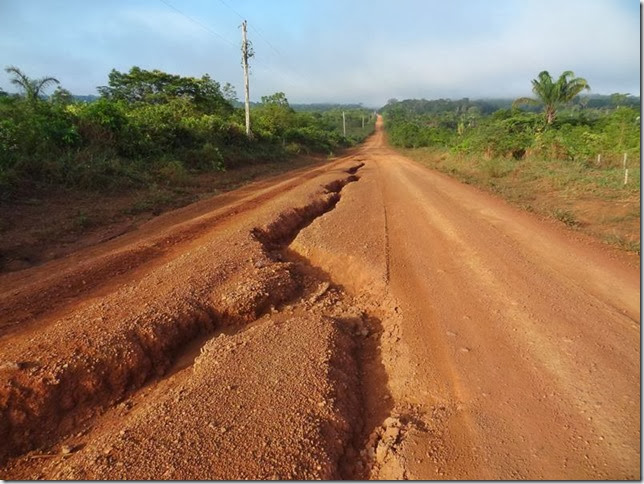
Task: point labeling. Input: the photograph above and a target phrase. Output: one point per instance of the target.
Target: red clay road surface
(368, 318)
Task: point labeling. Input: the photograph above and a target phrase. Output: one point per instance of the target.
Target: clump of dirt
(245, 299)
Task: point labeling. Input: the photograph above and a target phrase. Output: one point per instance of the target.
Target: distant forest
(489, 106)
(425, 106)
(301, 107)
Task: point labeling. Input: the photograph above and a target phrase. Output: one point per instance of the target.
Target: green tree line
(149, 126)
(560, 124)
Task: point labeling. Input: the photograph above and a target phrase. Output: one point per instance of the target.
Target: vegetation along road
(364, 318)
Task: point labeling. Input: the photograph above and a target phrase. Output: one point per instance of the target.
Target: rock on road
(367, 318)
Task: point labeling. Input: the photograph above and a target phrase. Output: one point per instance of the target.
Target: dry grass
(33, 230)
(581, 195)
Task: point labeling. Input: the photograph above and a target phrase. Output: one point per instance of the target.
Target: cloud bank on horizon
(331, 50)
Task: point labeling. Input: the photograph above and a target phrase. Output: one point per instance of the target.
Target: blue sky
(331, 50)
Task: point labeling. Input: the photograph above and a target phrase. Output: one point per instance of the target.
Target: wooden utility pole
(344, 125)
(245, 55)
(363, 121)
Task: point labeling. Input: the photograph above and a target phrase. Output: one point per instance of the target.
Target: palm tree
(553, 94)
(32, 87)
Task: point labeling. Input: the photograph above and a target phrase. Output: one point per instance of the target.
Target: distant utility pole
(363, 121)
(344, 125)
(246, 53)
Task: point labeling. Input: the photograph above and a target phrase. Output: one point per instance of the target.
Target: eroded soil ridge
(86, 372)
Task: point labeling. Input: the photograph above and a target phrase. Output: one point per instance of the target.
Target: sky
(344, 51)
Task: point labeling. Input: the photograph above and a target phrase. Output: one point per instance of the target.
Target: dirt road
(368, 318)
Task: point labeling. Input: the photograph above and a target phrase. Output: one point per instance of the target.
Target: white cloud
(591, 38)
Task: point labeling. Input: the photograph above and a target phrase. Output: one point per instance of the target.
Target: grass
(581, 195)
(81, 221)
(566, 216)
(154, 200)
(623, 243)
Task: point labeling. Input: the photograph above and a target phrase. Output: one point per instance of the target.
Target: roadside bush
(102, 123)
(156, 129)
(313, 138)
(149, 125)
(406, 135)
(294, 148)
(205, 128)
(91, 170)
(502, 135)
(497, 167)
(576, 135)
(172, 172)
(620, 133)
(8, 142)
(206, 158)
(35, 128)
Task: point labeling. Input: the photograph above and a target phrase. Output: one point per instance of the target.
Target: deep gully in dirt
(89, 275)
(376, 431)
(41, 405)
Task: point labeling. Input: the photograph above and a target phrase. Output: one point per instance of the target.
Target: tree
(554, 94)
(277, 99)
(33, 88)
(62, 96)
(618, 99)
(274, 114)
(158, 87)
(229, 93)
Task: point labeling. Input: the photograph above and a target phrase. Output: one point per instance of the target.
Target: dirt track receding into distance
(369, 318)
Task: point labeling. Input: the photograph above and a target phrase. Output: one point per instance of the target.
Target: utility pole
(363, 121)
(246, 53)
(344, 125)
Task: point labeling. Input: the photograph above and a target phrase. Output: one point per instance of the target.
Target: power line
(232, 9)
(251, 26)
(256, 30)
(256, 60)
(208, 29)
(205, 27)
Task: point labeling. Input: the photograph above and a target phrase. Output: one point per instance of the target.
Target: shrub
(206, 158)
(102, 122)
(173, 172)
(151, 124)
(496, 167)
(314, 138)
